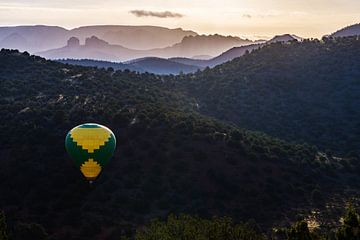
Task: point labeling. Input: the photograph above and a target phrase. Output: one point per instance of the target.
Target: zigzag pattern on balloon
(90, 139)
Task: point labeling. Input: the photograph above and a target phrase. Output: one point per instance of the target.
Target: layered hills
(299, 91)
(83, 55)
(252, 130)
(40, 38)
(171, 156)
(141, 65)
(95, 48)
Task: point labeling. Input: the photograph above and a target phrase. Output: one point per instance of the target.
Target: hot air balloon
(91, 146)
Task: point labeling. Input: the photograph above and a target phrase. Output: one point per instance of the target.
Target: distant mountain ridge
(178, 42)
(236, 52)
(212, 45)
(100, 64)
(94, 48)
(99, 49)
(149, 64)
(163, 66)
(352, 30)
(40, 37)
(172, 65)
(285, 38)
(134, 37)
(33, 38)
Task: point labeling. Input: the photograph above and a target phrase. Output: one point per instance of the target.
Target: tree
(350, 229)
(195, 228)
(3, 235)
(299, 231)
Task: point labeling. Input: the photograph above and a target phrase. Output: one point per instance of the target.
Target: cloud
(247, 16)
(165, 14)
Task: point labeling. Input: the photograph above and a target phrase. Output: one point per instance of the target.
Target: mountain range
(116, 43)
(267, 131)
(157, 65)
(141, 65)
(127, 42)
(40, 38)
(180, 57)
(95, 48)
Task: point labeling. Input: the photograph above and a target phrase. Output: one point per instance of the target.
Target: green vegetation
(300, 231)
(350, 228)
(172, 155)
(302, 92)
(189, 227)
(194, 228)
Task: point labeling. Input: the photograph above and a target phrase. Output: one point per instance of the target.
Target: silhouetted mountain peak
(352, 30)
(284, 38)
(73, 42)
(94, 41)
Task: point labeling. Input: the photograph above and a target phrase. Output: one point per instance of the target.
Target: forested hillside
(170, 159)
(299, 91)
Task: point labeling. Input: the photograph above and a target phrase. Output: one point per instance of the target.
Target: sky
(254, 19)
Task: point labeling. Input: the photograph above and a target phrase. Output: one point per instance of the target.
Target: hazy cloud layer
(165, 14)
(247, 16)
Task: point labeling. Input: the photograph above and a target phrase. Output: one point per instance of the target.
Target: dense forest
(183, 147)
(100, 64)
(196, 228)
(299, 91)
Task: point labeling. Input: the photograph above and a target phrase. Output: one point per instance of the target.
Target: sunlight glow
(250, 18)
